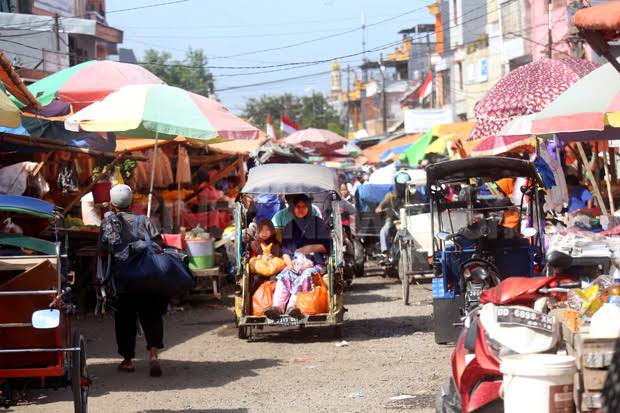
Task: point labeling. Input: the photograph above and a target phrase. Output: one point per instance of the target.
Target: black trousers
(130, 309)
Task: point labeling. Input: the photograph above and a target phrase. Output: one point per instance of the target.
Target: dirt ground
(390, 352)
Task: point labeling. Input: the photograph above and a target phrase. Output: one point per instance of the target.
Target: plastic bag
(263, 298)
(266, 267)
(315, 301)
(301, 263)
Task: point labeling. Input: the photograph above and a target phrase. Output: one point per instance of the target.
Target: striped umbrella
(526, 90)
(161, 111)
(88, 82)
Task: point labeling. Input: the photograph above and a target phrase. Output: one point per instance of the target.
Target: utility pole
(549, 32)
(348, 117)
(57, 31)
(383, 97)
(364, 73)
(430, 69)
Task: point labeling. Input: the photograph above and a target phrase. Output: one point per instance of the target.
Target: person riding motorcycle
(392, 202)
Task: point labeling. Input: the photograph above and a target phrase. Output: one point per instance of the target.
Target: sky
(236, 33)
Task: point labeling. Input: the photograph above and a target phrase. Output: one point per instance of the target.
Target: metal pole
(430, 69)
(549, 33)
(383, 97)
(148, 208)
(57, 31)
(346, 126)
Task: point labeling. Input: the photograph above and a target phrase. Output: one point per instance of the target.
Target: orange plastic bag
(315, 301)
(264, 267)
(263, 298)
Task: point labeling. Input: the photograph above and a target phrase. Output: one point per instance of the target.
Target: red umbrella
(526, 90)
(89, 82)
(318, 139)
(496, 145)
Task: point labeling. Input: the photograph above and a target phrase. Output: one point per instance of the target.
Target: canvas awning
(373, 153)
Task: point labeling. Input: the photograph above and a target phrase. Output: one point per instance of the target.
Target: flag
(269, 128)
(427, 87)
(287, 126)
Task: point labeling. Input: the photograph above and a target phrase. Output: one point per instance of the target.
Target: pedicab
(482, 236)
(288, 179)
(413, 240)
(38, 344)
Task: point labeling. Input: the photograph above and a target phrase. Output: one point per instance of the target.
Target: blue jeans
(385, 236)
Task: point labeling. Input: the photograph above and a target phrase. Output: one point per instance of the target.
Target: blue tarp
(368, 196)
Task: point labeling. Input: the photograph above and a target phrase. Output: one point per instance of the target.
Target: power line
(269, 82)
(243, 36)
(148, 6)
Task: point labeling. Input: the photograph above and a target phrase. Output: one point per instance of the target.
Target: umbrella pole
(612, 207)
(597, 192)
(148, 208)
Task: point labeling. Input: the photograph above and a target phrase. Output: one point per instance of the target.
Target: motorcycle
(353, 250)
(512, 318)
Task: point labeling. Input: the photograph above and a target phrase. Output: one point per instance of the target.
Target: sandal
(272, 313)
(126, 366)
(295, 313)
(155, 368)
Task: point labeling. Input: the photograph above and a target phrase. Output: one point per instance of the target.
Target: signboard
(421, 120)
(64, 8)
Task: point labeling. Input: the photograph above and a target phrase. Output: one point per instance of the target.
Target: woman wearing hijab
(305, 237)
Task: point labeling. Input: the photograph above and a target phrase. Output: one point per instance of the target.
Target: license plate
(284, 321)
(526, 318)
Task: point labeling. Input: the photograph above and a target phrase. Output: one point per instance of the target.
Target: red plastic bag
(263, 298)
(315, 301)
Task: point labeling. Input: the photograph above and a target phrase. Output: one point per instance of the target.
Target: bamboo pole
(612, 207)
(150, 201)
(597, 192)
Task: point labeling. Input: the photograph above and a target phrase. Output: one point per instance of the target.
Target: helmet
(402, 178)
(120, 196)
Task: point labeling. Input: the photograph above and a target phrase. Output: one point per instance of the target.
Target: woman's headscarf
(311, 226)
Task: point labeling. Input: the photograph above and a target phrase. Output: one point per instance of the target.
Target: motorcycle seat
(515, 290)
(559, 259)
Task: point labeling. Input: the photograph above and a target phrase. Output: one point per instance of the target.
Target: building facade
(44, 36)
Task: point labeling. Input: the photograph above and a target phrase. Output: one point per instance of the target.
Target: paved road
(391, 352)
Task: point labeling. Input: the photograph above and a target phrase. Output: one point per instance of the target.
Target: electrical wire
(148, 6)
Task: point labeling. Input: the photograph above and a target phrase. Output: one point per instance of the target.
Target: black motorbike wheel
(404, 278)
(79, 375)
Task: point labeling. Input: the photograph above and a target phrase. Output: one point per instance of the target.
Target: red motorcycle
(511, 319)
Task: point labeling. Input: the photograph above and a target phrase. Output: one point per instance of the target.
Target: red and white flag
(271, 134)
(287, 126)
(427, 87)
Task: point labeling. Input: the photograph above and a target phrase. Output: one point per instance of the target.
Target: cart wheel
(404, 278)
(79, 375)
(243, 333)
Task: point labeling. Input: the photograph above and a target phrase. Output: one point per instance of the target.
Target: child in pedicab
(305, 241)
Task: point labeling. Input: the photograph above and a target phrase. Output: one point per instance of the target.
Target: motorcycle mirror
(443, 235)
(529, 232)
(46, 319)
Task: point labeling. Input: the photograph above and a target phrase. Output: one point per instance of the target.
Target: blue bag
(150, 270)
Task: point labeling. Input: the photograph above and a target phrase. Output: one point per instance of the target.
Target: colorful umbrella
(589, 105)
(496, 145)
(160, 111)
(150, 111)
(526, 90)
(322, 140)
(88, 82)
(415, 153)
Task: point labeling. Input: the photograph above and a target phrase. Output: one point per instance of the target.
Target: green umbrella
(415, 153)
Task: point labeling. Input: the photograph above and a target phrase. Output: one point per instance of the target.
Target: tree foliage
(312, 111)
(189, 74)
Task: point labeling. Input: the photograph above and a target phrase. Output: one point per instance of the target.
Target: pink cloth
(289, 285)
